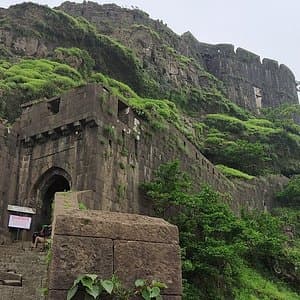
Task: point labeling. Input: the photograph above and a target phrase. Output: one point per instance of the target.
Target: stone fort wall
(104, 147)
(8, 177)
(250, 82)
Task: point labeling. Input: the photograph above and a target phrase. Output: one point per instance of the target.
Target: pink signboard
(19, 222)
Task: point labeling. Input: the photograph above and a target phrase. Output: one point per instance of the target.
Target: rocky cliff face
(175, 60)
(155, 61)
(35, 31)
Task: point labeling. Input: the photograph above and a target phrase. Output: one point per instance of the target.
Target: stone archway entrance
(57, 183)
(52, 181)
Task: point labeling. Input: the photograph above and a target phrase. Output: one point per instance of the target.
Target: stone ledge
(116, 226)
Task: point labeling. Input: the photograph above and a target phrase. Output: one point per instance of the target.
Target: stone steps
(31, 265)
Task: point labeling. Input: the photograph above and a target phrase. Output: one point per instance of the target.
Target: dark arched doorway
(57, 183)
(52, 181)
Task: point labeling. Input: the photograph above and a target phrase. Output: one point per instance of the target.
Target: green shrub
(31, 79)
(225, 123)
(86, 63)
(290, 195)
(250, 158)
(254, 286)
(217, 246)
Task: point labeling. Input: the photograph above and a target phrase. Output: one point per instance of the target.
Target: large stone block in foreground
(105, 243)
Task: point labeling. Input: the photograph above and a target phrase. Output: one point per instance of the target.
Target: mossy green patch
(233, 173)
(31, 79)
(157, 112)
(254, 286)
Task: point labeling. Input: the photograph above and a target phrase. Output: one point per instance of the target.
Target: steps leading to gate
(31, 265)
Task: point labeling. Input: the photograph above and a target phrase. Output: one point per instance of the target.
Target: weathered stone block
(133, 260)
(117, 226)
(72, 256)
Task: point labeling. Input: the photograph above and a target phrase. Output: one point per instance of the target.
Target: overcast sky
(270, 28)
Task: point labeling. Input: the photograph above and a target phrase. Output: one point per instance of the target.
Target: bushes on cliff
(157, 112)
(290, 195)
(31, 79)
(216, 245)
(233, 173)
(225, 123)
(76, 58)
(56, 28)
(254, 146)
(211, 99)
(250, 158)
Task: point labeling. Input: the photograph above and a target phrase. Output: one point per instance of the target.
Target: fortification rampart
(102, 146)
(251, 82)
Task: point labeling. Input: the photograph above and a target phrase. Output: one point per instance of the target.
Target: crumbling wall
(104, 243)
(244, 74)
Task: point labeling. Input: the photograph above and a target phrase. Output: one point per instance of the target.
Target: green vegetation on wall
(54, 27)
(290, 195)
(221, 252)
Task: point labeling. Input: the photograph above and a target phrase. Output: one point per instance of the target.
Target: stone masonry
(17, 260)
(105, 243)
(102, 146)
(250, 82)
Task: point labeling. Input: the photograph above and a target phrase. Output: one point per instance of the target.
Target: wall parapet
(276, 81)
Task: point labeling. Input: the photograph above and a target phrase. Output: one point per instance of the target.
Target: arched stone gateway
(53, 180)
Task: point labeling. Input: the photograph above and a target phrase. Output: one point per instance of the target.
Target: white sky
(270, 28)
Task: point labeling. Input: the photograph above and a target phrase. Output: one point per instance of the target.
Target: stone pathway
(30, 264)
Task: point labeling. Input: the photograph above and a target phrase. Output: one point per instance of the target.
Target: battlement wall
(245, 74)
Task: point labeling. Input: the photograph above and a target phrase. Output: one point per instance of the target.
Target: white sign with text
(19, 222)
